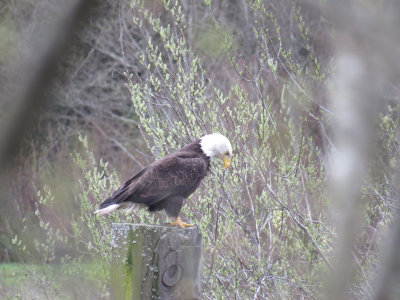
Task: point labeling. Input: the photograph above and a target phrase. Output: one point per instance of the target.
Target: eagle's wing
(123, 191)
(177, 174)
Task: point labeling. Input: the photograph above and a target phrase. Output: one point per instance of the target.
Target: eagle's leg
(173, 207)
(178, 222)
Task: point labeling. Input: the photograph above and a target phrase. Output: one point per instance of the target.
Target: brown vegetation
(307, 94)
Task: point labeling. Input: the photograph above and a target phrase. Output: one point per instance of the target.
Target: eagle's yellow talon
(178, 222)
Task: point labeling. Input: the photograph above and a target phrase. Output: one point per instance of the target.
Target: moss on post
(155, 262)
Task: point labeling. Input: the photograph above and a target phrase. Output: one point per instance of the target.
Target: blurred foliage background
(307, 92)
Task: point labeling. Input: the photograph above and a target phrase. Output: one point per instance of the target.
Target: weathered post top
(155, 262)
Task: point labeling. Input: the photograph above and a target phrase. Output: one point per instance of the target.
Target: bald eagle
(167, 182)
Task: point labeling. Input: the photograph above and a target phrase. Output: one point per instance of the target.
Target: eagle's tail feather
(106, 210)
(107, 202)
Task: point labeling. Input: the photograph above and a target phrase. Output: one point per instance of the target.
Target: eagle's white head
(217, 145)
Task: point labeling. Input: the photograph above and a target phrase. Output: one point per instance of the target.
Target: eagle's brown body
(165, 183)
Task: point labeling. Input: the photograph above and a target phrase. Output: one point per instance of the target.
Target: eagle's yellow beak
(227, 161)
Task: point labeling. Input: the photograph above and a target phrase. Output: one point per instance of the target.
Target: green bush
(266, 221)
(259, 217)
